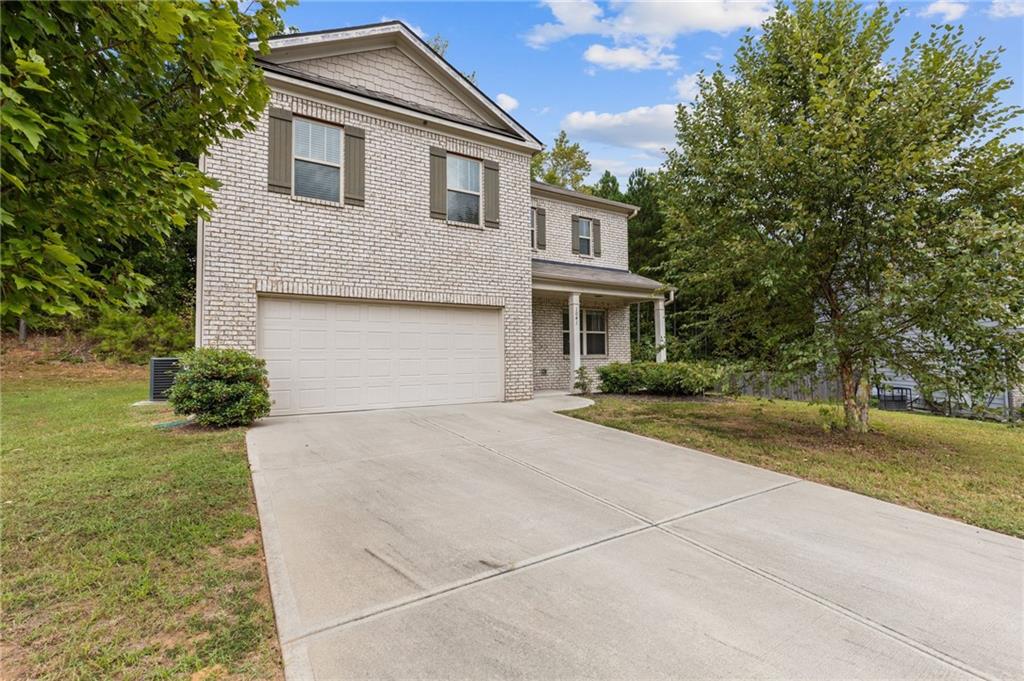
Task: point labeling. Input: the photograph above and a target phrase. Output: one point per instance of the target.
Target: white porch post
(659, 329)
(574, 337)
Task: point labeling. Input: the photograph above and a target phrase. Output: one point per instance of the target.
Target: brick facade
(550, 366)
(391, 249)
(614, 237)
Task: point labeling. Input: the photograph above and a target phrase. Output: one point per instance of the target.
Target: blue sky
(611, 73)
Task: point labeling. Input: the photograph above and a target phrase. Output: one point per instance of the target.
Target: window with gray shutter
(279, 157)
(463, 200)
(595, 232)
(492, 217)
(355, 166)
(541, 227)
(317, 153)
(575, 234)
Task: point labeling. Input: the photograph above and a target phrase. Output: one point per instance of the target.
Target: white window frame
(479, 195)
(589, 237)
(533, 228)
(584, 330)
(338, 165)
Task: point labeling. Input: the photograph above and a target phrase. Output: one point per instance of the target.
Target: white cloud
(713, 54)
(650, 128)
(688, 86)
(415, 29)
(631, 58)
(506, 102)
(650, 20)
(1002, 9)
(642, 32)
(948, 10)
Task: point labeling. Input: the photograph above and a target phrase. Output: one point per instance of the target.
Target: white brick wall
(387, 70)
(550, 366)
(391, 249)
(614, 237)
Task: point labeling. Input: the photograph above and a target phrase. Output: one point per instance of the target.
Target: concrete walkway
(505, 541)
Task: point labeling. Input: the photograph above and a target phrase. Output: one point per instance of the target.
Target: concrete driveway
(506, 541)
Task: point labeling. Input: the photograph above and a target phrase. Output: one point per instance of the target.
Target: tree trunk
(22, 330)
(855, 396)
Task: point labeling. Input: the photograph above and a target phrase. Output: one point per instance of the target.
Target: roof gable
(389, 58)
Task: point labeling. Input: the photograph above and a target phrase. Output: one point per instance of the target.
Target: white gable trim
(285, 49)
(332, 97)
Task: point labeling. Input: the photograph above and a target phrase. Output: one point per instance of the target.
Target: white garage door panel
(327, 356)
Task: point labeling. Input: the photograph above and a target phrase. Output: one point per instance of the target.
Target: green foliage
(831, 206)
(583, 384)
(129, 336)
(644, 350)
(564, 165)
(222, 388)
(106, 108)
(645, 251)
(668, 378)
(607, 187)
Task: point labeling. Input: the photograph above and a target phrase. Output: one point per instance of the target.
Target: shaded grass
(128, 551)
(967, 470)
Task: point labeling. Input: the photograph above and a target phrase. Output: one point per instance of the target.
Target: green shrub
(669, 378)
(583, 384)
(127, 336)
(221, 388)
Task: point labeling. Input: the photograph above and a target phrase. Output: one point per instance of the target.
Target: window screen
(463, 189)
(317, 150)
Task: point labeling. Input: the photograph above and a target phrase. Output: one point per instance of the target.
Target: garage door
(325, 355)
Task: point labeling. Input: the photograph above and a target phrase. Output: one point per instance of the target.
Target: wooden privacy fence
(810, 388)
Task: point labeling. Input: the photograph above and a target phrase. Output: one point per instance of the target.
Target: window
(463, 189)
(317, 160)
(593, 332)
(585, 232)
(533, 228)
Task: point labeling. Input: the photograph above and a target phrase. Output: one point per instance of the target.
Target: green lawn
(968, 470)
(128, 551)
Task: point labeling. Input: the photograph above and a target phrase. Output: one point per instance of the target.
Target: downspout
(200, 229)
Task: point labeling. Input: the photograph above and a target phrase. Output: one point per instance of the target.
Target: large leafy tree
(833, 206)
(564, 165)
(106, 109)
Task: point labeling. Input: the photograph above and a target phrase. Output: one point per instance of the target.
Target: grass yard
(968, 470)
(128, 551)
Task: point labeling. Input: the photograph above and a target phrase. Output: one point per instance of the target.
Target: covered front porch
(581, 319)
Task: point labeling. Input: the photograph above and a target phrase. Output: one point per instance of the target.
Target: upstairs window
(533, 228)
(463, 189)
(317, 160)
(585, 236)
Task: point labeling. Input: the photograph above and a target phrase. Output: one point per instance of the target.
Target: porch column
(659, 330)
(574, 337)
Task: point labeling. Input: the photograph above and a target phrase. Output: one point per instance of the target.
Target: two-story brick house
(377, 239)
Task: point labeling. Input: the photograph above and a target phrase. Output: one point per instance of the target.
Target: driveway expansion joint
(519, 566)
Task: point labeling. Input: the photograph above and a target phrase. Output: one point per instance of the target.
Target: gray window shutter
(540, 227)
(595, 236)
(438, 183)
(354, 167)
(491, 186)
(575, 234)
(279, 161)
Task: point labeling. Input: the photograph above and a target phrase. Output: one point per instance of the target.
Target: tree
(645, 253)
(564, 165)
(106, 109)
(607, 187)
(833, 207)
(439, 44)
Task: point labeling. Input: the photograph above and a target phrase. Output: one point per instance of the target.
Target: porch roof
(591, 276)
